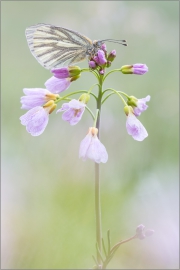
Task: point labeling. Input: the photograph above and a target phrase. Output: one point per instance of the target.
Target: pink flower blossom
(141, 105)
(100, 58)
(66, 72)
(73, 111)
(92, 148)
(139, 69)
(135, 128)
(36, 97)
(35, 120)
(56, 85)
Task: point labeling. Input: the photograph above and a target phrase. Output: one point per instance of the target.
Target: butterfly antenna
(116, 41)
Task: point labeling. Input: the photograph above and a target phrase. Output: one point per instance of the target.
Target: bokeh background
(48, 219)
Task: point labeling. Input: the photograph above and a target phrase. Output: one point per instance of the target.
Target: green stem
(97, 180)
(116, 92)
(114, 70)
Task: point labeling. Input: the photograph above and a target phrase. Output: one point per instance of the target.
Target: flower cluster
(41, 102)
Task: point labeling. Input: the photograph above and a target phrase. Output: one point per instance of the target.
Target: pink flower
(73, 111)
(92, 148)
(36, 97)
(92, 64)
(141, 105)
(56, 85)
(100, 58)
(66, 72)
(135, 128)
(36, 119)
(140, 69)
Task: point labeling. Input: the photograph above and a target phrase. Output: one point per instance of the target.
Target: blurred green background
(48, 219)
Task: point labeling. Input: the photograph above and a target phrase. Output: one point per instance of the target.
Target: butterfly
(55, 47)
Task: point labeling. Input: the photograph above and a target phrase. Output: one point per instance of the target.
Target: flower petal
(135, 128)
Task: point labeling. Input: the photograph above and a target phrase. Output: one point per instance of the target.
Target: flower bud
(132, 101)
(84, 98)
(138, 69)
(111, 56)
(66, 72)
(101, 71)
(92, 64)
(103, 47)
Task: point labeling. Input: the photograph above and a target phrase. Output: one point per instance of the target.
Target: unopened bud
(101, 71)
(111, 56)
(92, 64)
(84, 98)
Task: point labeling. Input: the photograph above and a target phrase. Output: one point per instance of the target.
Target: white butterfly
(54, 47)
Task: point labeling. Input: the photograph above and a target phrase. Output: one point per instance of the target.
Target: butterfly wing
(54, 47)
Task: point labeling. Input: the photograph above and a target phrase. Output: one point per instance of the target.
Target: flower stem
(97, 180)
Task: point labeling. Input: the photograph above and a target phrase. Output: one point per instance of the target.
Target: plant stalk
(97, 181)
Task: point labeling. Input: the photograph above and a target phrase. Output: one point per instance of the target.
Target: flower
(73, 111)
(92, 148)
(135, 128)
(100, 58)
(138, 69)
(141, 233)
(56, 85)
(36, 119)
(36, 97)
(139, 105)
(66, 72)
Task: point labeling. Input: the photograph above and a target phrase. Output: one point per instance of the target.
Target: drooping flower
(73, 111)
(66, 72)
(56, 85)
(36, 97)
(92, 148)
(134, 126)
(138, 69)
(36, 119)
(139, 105)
